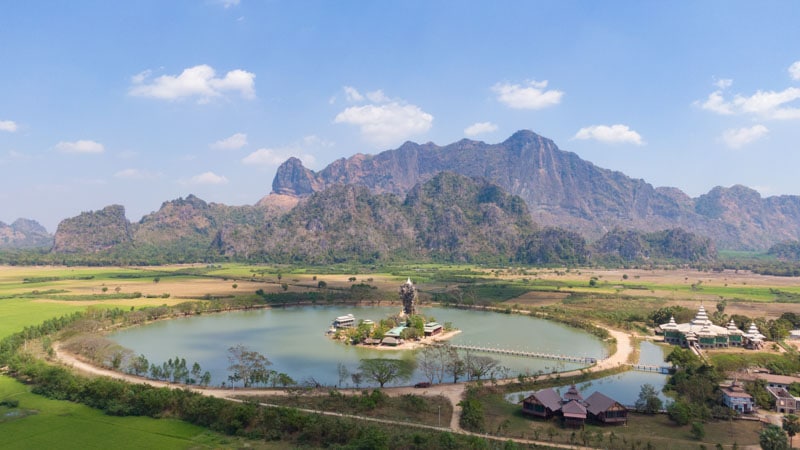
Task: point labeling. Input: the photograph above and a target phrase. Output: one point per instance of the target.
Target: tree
(698, 431)
(139, 365)
(648, 401)
(478, 366)
(791, 425)
(248, 366)
(773, 438)
(382, 370)
(343, 373)
(471, 415)
(454, 365)
(431, 363)
(680, 412)
(196, 372)
(357, 378)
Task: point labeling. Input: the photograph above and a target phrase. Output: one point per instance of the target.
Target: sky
(141, 102)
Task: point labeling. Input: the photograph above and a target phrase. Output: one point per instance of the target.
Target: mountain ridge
(562, 190)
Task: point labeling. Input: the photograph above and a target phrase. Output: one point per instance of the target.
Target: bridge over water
(540, 355)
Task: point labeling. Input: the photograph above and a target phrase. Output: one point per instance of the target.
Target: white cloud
(207, 178)
(352, 94)
(377, 96)
(275, 157)
(724, 83)
(532, 96)
(770, 104)
(480, 128)
(716, 103)
(8, 125)
(794, 70)
(388, 123)
(315, 141)
(228, 3)
(82, 146)
(135, 174)
(141, 76)
(763, 104)
(739, 137)
(614, 134)
(233, 142)
(198, 81)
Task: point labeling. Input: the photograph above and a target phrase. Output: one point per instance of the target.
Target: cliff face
(450, 217)
(562, 190)
(93, 231)
(24, 233)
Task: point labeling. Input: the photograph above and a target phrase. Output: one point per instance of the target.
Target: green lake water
(294, 340)
(622, 387)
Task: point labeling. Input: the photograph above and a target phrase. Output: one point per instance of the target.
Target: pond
(623, 387)
(294, 340)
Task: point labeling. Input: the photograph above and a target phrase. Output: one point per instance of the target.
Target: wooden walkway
(649, 368)
(504, 351)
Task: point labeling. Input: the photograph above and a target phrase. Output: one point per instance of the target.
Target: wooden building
(432, 329)
(573, 409)
(574, 414)
(604, 409)
(544, 403)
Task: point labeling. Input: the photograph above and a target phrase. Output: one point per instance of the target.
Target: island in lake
(406, 330)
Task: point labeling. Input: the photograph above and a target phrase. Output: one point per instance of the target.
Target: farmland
(30, 295)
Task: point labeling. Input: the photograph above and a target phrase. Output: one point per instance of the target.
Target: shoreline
(413, 345)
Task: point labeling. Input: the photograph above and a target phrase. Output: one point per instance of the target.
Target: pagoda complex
(700, 332)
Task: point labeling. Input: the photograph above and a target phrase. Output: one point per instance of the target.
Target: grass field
(506, 419)
(30, 295)
(65, 425)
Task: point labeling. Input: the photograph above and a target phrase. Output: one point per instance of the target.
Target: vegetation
(382, 371)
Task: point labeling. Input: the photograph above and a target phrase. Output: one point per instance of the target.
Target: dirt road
(454, 392)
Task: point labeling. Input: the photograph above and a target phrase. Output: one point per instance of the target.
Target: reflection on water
(294, 341)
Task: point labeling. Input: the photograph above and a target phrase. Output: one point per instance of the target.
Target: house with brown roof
(573, 409)
(604, 409)
(574, 414)
(544, 403)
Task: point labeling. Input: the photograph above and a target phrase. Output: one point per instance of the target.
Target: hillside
(23, 234)
(448, 218)
(562, 190)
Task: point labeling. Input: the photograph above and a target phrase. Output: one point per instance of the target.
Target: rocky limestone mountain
(23, 234)
(562, 190)
(451, 217)
(93, 231)
(448, 218)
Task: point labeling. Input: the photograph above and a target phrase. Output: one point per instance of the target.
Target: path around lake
(453, 392)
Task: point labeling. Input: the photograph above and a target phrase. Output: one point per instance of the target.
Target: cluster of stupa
(701, 332)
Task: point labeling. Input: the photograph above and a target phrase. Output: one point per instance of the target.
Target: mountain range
(563, 190)
(458, 201)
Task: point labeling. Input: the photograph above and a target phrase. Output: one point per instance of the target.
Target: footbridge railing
(527, 354)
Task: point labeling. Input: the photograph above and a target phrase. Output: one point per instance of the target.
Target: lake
(623, 387)
(294, 340)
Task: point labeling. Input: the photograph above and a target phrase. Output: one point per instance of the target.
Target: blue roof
(395, 332)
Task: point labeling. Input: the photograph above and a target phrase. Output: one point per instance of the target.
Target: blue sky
(140, 102)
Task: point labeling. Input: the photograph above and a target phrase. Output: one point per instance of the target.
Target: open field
(30, 295)
(66, 425)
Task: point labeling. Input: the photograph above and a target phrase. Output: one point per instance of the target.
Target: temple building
(700, 332)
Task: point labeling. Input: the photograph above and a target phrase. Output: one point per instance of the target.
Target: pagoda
(408, 294)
